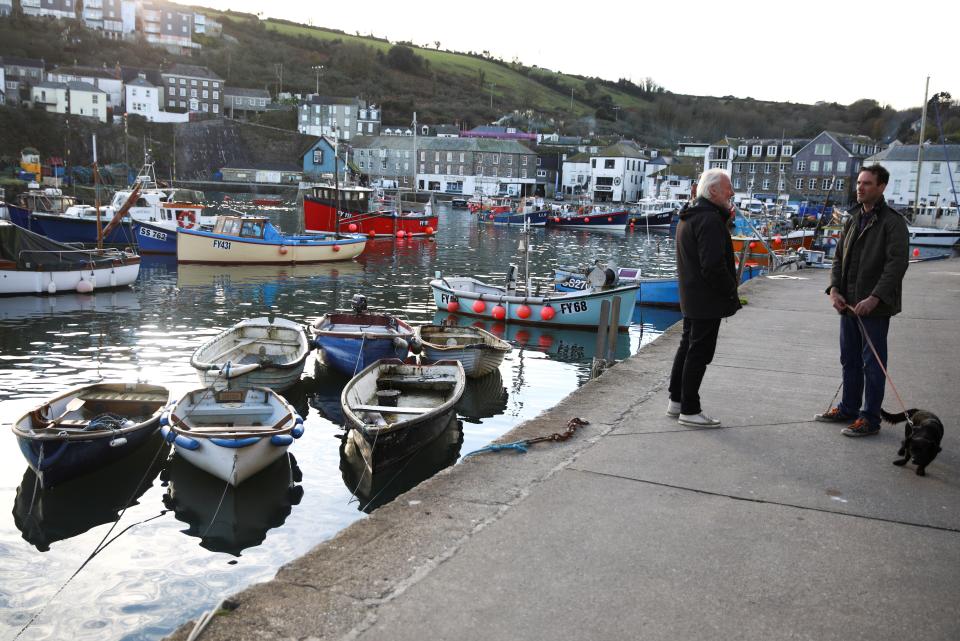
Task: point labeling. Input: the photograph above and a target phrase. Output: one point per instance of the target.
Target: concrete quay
(771, 527)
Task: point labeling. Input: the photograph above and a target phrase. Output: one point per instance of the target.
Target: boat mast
(923, 127)
(96, 193)
(336, 185)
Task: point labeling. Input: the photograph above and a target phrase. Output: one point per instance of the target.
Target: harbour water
(187, 541)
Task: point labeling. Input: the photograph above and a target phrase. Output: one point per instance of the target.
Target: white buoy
(52, 287)
(84, 287)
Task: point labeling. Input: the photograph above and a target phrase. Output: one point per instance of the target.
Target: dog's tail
(896, 418)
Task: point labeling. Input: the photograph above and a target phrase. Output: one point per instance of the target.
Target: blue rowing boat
(352, 341)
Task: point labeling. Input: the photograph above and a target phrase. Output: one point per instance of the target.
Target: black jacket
(705, 265)
(873, 261)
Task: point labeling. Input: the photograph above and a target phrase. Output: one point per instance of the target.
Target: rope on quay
(521, 446)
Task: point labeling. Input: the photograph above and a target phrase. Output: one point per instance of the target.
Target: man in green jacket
(865, 288)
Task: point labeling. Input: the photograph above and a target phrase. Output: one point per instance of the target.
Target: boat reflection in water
(68, 509)
(225, 275)
(245, 513)
(381, 487)
(324, 396)
(116, 301)
(567, 345)
(483, 397)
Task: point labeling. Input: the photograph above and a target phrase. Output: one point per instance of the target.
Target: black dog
(922, 441)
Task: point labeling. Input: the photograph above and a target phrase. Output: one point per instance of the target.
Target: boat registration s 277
(221, 244)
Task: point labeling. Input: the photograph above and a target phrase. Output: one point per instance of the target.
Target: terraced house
(447, 165)
(763, 167)
(192, 88)
(825, 169)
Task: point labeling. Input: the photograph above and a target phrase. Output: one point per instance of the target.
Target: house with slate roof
(826, 168)
(939, 174)
(87, 101)
(50, 96)
(241, 102)
(447, 165)
(762, 168)
(19, 75)
(189, 88)
(576, 174)
(617, 173)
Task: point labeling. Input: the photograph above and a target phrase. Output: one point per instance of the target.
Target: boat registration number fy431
(221, 244)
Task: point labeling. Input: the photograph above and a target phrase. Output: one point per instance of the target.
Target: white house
(939, 174)
(87, 100)
(104, 79)
(50, 96)
(143, 98)
(617, 173)
(576, 174)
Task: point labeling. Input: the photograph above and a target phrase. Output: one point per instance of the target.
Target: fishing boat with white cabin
(255, 240)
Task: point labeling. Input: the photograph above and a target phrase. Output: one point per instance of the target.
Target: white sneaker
(699, 420)
(673, 409)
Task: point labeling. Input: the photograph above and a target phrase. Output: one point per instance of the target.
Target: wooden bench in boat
(229, 430)
(386, 409)
(247, 410)
(104, 395)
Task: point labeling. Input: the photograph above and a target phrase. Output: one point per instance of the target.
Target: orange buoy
(430, 231)
(283, 249)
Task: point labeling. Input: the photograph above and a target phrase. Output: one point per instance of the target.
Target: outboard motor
(601, 276)
(511, 278)
(359, 303)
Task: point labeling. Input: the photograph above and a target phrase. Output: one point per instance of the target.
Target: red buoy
(282, 250)
(499, 312)
(479, 306)
(547, 312)
(352, 227)
(523, 312)
(587, 219)
(429, 230)
(752, 245)
(453, 305)
(916, 252)
(401, 234)
(609, 219)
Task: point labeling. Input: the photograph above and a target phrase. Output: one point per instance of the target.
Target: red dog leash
(863, 332)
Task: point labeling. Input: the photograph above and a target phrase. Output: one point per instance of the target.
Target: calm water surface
(175, 554)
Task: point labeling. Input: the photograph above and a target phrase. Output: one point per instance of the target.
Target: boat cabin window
(252, 229)
(229, 226)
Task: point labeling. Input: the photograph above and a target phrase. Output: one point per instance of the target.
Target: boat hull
(227, 459)
(70, 230)
(478, 351)
(533, 218)
(351, 342)
(17, 281)
(658, 219)
(321, 217)
(578, 309)
(388, 443)
(153, 239)
(613, 220)
(933, 237)
(60, 453)
(201, 247)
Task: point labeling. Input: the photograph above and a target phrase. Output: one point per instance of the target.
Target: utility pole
(318, 69)
(571, 99)
(278, 71)
(492, 85)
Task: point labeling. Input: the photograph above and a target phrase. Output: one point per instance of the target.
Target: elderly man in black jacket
(708, 292)
(865, 288)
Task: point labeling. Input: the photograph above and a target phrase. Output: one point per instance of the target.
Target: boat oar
(74, 405)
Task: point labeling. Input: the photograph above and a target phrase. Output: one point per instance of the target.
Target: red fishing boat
(267, 202)
(347, 209)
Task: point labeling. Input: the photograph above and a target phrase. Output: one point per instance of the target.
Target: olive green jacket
(874, 261)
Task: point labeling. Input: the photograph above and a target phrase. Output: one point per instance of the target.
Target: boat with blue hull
(80, 228)
(155, 239)
(352, 341)
(652, 291)
(589, 218)
(87, 427)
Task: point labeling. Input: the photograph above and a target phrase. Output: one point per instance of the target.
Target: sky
(817, 50)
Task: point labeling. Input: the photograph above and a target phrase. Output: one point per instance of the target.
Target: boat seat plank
(393, 410)
(259, 409)
(410, 380)
(223, 429)
(74, 423)
(123, 396)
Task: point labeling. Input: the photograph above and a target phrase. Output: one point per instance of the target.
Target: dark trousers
(697, 345)
(863, 380)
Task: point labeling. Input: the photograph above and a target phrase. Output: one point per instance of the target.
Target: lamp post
(318, 69)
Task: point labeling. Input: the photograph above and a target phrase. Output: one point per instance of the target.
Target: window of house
(840, 182)
(753, 168)
(812, 183)
(767, 168)
(766, 183)
(736, 183)
(801, 165)
(814, 165)
(799, 183)
(359, 127)
(406, 166)
(827, 165)
(541, 173)
(741, 150)
(96, 98)
(825, 184)
(449, 156)
(206, 94)
(204, 106)
(841, 166)
(823, 149)
(593, 163)
(133, 92)
(423, 168)
(936, 168)
(193, 93)
(183, 104)
(360, 164)
(609, 163)
(496, 159)
(183, 81)
(193, 83)
(788, 150)
(757, 150)
(771, 150)
(171, 103)
(436, 168)
(423, 156)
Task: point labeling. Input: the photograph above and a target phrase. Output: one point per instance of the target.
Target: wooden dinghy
(479, 351)
(393, 408)
(267, 352)
(232, 434)
(87, 427)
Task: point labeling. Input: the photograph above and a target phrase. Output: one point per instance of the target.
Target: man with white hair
(708, 292)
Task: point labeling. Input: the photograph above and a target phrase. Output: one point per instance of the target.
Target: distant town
(349, 136)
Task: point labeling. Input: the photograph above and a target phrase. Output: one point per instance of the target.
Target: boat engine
(601, 276)
(359, 303)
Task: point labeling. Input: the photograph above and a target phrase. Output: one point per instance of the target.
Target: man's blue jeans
(863, 380)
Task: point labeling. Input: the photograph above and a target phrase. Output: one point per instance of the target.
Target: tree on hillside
(403, 58)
